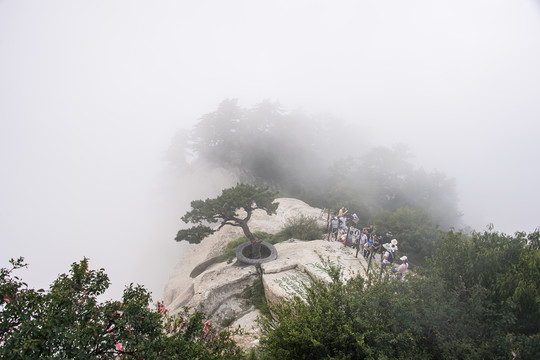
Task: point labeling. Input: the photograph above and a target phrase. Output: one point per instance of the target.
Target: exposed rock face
(181, 287)
(300, 262)
(216, 288)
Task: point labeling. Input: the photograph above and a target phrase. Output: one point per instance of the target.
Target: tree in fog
(233, 207)
(321, 160)
(418, 235)
(215, 136)
(266, 146)
(384, 179)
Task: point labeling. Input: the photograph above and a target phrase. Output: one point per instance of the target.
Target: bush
(300, 227)
(341, 321)
(69, 322)
(418, 235)
(478, 300)
(255, 295)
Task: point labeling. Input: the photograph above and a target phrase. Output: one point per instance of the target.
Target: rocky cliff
(216, 288)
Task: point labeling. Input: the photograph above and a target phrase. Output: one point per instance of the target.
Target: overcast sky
(92, 92)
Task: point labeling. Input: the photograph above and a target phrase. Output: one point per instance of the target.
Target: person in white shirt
(389, 254)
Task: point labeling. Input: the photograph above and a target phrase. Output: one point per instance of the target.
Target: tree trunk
(256, 249)
(255, 242)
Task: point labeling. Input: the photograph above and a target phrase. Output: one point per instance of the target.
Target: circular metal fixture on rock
(266, 248)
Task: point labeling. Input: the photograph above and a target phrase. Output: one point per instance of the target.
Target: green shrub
(477, 300)
(300, 227)
(255, 295)
(69, 321)
(226, 322)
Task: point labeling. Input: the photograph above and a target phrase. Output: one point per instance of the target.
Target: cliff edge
(216, 288)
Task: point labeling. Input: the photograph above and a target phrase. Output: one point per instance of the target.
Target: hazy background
(92, 93)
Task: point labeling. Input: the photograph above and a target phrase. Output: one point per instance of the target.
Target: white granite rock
(177, 290)
(216, 288)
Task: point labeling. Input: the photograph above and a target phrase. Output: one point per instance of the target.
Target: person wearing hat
(402, 269)
(394, 244)
(389, 254)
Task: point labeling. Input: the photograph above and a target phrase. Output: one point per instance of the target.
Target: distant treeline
(319, 159)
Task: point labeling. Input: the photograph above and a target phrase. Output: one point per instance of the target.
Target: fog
(93, 93)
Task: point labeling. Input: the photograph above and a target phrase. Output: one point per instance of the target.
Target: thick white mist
(116, 202)
(92, 93)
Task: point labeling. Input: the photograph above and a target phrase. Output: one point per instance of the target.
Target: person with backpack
(377, 239)
(389, 254)
(368, 247)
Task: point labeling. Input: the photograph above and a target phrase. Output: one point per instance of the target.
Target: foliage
(313, 159)
(300, 227)
(339, 321)
(224, 210)
(68, 322)
(384, 179)
(265, 145)
(417, 234)
(506, 267)
(479, 299)
(255, 294)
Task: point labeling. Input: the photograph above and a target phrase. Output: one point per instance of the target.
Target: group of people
(390, 253)
(366, 241)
